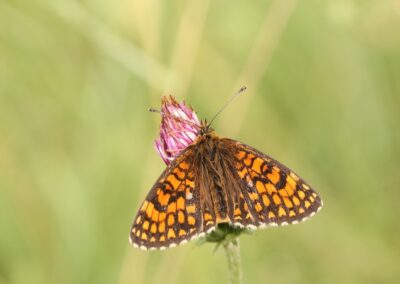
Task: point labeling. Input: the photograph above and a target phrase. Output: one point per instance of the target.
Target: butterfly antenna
(242, 89)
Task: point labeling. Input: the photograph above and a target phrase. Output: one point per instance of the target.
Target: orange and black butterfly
(218, 181)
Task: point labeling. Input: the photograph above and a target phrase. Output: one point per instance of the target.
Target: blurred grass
(76, 153)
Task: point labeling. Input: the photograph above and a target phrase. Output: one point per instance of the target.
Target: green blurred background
(76, 139)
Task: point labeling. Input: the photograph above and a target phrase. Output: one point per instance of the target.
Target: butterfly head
(205, 128)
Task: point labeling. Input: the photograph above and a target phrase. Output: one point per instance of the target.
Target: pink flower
(179, 128)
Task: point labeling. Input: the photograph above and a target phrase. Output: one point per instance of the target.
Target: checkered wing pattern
(169, 215)
(274, 194)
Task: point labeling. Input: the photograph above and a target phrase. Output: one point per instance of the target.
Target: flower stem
(232, 251)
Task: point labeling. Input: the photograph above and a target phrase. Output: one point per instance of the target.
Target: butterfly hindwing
(169, 215)
(274, 194)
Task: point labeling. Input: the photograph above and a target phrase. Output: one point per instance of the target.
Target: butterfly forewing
(170, 213)
(277, 196)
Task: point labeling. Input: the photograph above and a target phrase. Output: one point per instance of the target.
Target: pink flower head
(179, 128)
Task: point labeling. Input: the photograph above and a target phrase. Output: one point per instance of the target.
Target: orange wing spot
(289, 189)
(179, 173)
(296, 201)
(163, 198)
(138, 233)
(154, 216)
(144, 236)
(161, 227)
(181, 217)
(171, 220)
(291, 213)
(149, 209)
(153, 228)
(207, 217)
(182, 187)
(162, 239)
(276, 169)
(171, 234)
(291, 182)
(191, 220)
(222, 220)
(249, 160)
(306, 186)
(237, 211)
(260, 187)
(293, 176)
(189, 183)
(271, 215)
(181, 203)
(270, 188)
(191, 208)
(162, 216)
(246, 208)
(288, 203)
(312, 199)
(307, 204)
(146, 225)
(184, 166)
(253, 174)
(144, 205)
(253, 196)
(182, 232)
(273, 177)
(257, 163)
(266, 200)
(171, 207)
(301, 210)
(283, 192)
(264, 168)
(139, 218)
(258, 207)
(174, 181)
(167, 187)
(152, 240)
(276, 199)
(301, 194)
(281, 212)
(242, 173)
(240, 155)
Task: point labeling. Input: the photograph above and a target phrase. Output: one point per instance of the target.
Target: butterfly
(219, 181)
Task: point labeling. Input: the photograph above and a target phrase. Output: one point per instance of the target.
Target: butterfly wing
(169, 215)
(271, 193)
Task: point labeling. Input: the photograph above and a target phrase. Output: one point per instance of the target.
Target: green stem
(232, 251)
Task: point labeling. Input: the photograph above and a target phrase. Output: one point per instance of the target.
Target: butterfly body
(218, 181)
